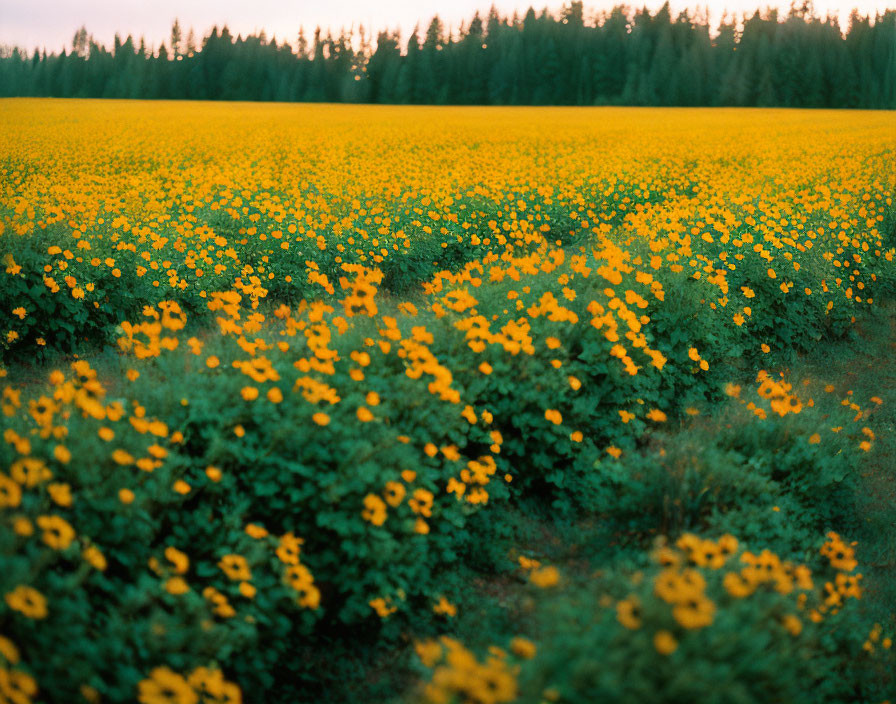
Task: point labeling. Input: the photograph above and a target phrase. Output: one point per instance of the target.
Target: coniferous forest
(569, 57)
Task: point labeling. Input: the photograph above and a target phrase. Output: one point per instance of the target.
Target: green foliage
(757, 479)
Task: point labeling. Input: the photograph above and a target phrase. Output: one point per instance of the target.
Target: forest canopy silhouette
(620, 57)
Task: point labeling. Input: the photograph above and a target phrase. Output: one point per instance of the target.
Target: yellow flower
(96, 558)
(58, 534)
(235, 567)
(665, 642)
(10, 492)
(694, 612)
(249, 393)
(60, 493)
(289, 549)
(429, 652)
(122, 457)
(545, 577)
(181, 487)
(253, 530)
(164, 686)
(9, 650)
(840, 555)
(421, 502)
(374, 510)
(523, 647)
(628, 613)
(176, 586)
(382, 608)
(445, 607)
(674, 587)
(17, 687)
(395, 493)
(274, 395)
(213, 688)
(27, 601)
(792, 624)
(179, 561)
(527, 563)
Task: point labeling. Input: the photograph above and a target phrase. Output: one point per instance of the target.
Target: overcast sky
(51, 23)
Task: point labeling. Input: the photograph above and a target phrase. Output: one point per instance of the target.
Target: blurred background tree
(564, 58)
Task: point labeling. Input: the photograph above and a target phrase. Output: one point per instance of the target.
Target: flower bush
(705, 620)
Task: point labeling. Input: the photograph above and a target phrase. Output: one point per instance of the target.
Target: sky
(51, 24)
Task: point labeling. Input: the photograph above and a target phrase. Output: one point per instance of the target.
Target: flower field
(280, 380)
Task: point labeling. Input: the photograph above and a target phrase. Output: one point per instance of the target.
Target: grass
(866, 366)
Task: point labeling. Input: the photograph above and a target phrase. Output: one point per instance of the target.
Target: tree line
(620, 57)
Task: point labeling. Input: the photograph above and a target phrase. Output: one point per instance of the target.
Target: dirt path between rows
(867, 367)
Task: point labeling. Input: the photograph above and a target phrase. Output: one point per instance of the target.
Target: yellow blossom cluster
(460, 676)
(202, 686)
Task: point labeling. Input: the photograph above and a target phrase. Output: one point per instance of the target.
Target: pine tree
(176, 39)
